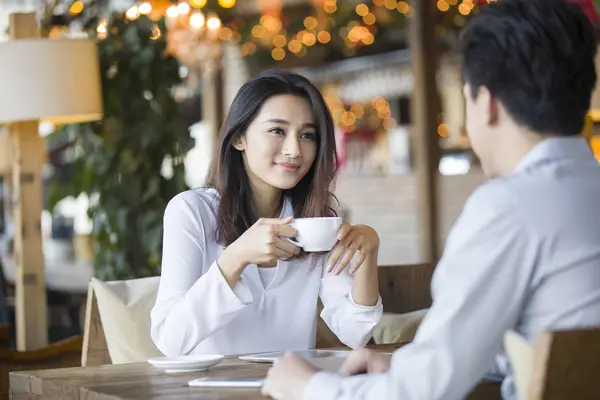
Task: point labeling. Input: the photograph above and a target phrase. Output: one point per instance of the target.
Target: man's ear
(239, 143)
(491, 106)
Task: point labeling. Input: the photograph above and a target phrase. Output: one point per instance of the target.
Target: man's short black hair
(537, 58)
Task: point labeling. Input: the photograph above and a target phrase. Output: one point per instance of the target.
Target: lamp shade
(53, 80)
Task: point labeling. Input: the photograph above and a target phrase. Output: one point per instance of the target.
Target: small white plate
(191, 363)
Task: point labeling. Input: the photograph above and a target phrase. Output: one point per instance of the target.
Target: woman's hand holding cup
(263, 243)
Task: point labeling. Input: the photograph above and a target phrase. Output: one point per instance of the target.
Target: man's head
(529, 73)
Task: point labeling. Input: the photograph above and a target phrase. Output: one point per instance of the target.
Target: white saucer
(190, 363)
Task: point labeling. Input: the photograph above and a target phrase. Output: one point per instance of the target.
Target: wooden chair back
(566, 365)
(403, 288)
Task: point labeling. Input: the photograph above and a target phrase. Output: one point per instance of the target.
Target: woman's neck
(268, 203)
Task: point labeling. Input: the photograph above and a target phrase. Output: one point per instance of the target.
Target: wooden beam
(30, 286)
(425, 110)
(6, 152)
(212, 98)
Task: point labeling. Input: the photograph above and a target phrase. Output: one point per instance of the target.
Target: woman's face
(280, 145)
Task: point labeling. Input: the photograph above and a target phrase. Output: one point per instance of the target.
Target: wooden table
(142, 381)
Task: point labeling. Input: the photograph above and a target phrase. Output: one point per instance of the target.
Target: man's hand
(366, 361)
(288, 377)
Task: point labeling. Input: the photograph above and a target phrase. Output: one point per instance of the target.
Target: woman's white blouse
(196, 311)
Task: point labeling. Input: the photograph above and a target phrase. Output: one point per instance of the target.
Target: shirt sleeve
(478, 288)
(351, 322)
(191, 305)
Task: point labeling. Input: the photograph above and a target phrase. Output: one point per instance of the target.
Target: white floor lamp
(40, 79)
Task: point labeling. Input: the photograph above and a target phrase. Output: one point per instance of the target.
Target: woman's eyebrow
(285, 122)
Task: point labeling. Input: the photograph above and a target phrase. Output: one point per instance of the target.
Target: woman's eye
(277, 131)
(309, 136)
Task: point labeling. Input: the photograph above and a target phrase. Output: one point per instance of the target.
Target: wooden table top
(142, 381)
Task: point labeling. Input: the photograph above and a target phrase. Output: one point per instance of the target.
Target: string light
(101, 30)
(213, 23)
(155, 32)
(227, 3)
(390, 4)
(172, 12)
(269, 34)
(183, 8)
(76, 7)
(132, 13)
(145, 8)
(197, 20)
(362, 9)
(324, 37)
(403, 7)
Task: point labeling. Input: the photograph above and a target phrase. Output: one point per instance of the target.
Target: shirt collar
(557, 148)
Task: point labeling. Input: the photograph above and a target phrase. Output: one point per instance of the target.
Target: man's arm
(478, 289)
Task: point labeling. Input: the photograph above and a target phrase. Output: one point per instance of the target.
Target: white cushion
(124, 308)
(520, 354)
(398, 328)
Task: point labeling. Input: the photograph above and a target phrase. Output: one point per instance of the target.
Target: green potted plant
(130, 163)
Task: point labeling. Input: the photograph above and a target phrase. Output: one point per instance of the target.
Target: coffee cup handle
(287, 239)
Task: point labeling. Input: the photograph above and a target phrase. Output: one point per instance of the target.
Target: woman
(230, 282)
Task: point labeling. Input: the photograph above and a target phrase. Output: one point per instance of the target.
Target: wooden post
(425, 110)
(27, 203)
(212, 99)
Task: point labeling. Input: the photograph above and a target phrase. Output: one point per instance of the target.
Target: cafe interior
(84, 186)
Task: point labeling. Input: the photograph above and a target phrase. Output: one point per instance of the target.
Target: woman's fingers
(286, 246)
(347, 257)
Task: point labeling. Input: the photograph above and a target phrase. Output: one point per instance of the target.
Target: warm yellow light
(101, 30)
(443, 130)
(76, 7)
(258, 31)
(464, 9)
(310, 22)
(309, 39)
(324, 37)
(330, 8)
(369, 19)
(390, 4)
(279, 41)
(197, 3)
(227, 3)
(295, 46)
(403, 7)
(213, 23)
(145, 8)
(225, 34)
(155, 33)
(132, 13)
(183, 8)
(362, 9)
(358, 110)
(369, 40)
(172, 12)
(443, 5)
(278, 54)
(197, 20)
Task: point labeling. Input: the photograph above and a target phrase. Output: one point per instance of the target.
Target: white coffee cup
(316, 234)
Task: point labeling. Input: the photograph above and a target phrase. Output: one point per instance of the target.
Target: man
(525, 252)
